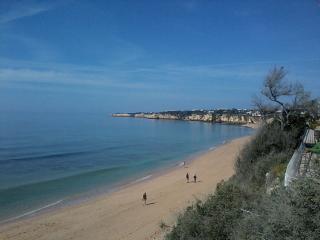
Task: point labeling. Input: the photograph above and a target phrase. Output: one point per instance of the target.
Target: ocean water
(51, 159)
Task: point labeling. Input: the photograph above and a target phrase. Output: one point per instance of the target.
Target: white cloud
(21, 9)
(141, 78)
(64, 78)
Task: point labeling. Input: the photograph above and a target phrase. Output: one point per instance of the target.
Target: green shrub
(279, 170)
(269, 147)
(217, 217)
(240, 208)
(287, 214)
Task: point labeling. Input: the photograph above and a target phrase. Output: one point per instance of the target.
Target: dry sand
(122, 214)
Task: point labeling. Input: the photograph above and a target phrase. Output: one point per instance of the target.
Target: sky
(90, 56)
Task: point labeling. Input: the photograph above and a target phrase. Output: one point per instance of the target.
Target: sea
(48, 160)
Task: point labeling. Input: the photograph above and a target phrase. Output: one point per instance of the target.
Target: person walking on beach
(187, 177)
(195, 178)
(144, 198)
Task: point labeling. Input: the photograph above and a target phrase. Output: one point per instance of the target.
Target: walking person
(195, 178)
(144, 198)
(187, 177)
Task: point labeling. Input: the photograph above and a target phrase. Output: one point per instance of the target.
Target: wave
(48, 156)
(226, 141)
(121, 146)
(64, 154)
(142, 179)
(32, 212)
(222, 143)
(181, 164)
(82, 175)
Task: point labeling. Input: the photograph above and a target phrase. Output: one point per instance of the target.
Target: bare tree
(275, 88)
(266, 110)
(282, 95)
(303, 102)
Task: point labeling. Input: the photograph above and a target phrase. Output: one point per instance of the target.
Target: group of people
(194, 177)
(144, 196)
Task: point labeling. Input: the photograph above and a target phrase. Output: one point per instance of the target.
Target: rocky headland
(229, 116)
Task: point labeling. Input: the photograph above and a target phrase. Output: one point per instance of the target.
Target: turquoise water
(52, 159)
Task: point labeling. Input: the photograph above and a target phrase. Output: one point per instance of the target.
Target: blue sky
(126, 56)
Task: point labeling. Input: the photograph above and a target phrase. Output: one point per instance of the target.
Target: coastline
(83, 198)
(101, 192)
(112, 203)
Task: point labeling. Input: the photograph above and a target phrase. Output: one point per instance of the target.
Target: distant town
(230, 116)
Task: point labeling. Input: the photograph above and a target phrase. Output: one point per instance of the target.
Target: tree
(291, 100)
(265, 110)
(275, 88)
(303, 102)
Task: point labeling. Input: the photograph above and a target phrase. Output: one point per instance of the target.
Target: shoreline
(86, 197)
(155, 177)
(82, 198)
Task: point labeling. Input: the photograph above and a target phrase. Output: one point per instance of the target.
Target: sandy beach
(122, 214)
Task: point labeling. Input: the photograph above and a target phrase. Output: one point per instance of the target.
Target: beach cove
(122, 214)
(59, 160)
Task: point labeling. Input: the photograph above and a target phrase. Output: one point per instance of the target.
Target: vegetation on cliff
(253, 204)
(242, 209)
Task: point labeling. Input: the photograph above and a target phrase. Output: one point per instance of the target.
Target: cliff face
(199, 116)
(236, 119)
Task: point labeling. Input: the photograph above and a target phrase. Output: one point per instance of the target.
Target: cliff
(226, 116)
